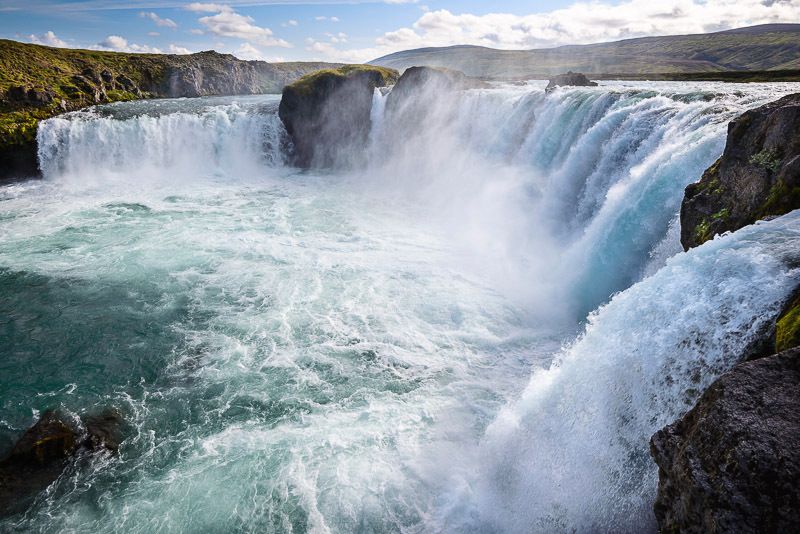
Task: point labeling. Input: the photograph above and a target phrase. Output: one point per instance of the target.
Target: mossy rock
(327, 114)
(787, 329)
(757, 177)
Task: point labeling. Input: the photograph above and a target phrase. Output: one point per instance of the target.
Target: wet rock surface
(732, 463)
(758, 175)
(42, 453)
(569, 79)
(327, 114)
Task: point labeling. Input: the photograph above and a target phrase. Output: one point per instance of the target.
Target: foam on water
(350, 353)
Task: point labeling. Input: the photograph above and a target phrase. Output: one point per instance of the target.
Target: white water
(339, 353)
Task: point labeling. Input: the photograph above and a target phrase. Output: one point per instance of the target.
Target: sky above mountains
(358, 31)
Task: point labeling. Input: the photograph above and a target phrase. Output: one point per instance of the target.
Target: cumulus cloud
(48, 39)
(579, 23)
(175, 49)
(249, 52)
(117, 43)
(166, 23)
(226, 22)
(322, 17)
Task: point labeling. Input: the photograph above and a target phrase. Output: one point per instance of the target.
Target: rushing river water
(476, 331)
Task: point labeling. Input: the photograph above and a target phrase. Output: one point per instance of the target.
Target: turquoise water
(368, 350)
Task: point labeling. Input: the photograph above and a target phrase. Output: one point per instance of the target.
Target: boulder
(419, 85)
(569, 79)
(758, 175)
(44, 450)
(327, 114)
(732, 463)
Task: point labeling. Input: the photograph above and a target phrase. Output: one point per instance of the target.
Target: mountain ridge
(765, 47)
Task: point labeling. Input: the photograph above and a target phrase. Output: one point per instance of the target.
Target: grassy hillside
(757, 48)
(37, 82)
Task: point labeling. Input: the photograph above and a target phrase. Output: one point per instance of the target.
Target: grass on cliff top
(306, 84)
(60, 71)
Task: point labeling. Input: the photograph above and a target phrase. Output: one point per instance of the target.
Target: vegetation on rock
(758, 175)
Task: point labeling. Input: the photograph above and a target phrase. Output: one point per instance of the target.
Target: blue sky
(358, 31)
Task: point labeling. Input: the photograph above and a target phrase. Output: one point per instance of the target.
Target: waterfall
(189, 141)
(477, 331)
(571, 454)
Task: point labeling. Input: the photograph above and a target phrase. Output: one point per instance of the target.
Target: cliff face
(757, 176)
(327, 114)
(38, 82)
(732, 463)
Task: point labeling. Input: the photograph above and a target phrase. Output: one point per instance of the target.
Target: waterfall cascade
(477, 331)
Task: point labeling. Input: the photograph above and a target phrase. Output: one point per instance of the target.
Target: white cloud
(290, 22)
(175, 49)
(116, 43)
(323, 17)
(48, 39)
(206, 8)
(195, 31)
(153, 34)
(166, 23)
(225, 22)
(579, 23)
(249, 52)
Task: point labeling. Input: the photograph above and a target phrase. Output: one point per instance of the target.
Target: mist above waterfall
(476, 330)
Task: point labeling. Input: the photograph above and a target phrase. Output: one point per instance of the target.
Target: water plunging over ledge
(399, 347)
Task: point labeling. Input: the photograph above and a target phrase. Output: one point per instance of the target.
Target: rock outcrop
(758, 175)
(732, 464)
(419, 85)
(569, 79)
(43, 451)
(327, 114)
(38, 82)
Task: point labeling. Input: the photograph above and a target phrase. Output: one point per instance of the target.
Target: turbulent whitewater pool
(476, 331)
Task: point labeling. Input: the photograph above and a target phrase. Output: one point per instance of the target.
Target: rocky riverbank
(38, 82)
(731, 464)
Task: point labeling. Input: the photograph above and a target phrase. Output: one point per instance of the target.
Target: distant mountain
(755, 48)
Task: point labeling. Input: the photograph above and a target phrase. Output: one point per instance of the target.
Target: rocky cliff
(757, 176)
(732, 463)
(327, 114)
(38, 82)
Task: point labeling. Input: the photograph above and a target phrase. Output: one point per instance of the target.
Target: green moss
(781, 199)
(768, 159)
(702, 232)
(307, 83)
(787, 331)
(721, 215)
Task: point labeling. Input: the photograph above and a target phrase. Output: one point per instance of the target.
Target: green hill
(768, 47)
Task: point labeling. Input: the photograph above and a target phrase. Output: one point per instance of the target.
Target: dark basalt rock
(569, 79)
(327, 114)
(45, 449)
(732, 463)
(758, 175)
